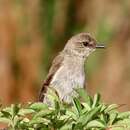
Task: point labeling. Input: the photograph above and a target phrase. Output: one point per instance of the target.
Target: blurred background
(33, 31)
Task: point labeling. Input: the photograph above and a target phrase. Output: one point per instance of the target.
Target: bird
(67, 71)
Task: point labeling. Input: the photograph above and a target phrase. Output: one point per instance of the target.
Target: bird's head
(82, 45)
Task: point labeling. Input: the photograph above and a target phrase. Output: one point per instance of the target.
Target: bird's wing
(57, 62)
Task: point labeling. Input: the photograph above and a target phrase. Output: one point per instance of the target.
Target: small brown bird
(67, 70)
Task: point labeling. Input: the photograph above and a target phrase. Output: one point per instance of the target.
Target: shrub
(85, 113)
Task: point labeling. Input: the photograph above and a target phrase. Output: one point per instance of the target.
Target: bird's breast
(67, 78)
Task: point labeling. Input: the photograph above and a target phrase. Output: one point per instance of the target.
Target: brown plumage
(57, 62)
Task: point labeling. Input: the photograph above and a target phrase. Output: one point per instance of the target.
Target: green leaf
(118, 128)
(124, 115)
(71, 114)
(64, 117)
(43, 113)
(86, 106)
(121, 125)
(125, 123)
(111, 107)
(39, 120)
(25, 120)
(89, 115)
(25, 111)
(6, 113)
(103, 107)
(103, 117)
(57, 107)
(1, 114)
(112, 117)
(16, 121)
(77, 105)
(14, 109)
(96, 100)
(5, 120)
(7, 110)
(24, 123)
(95, 124)
(77, 126)
(61, 123)
(38, 106)
(84, 96)
(67, 126)
(52, 94)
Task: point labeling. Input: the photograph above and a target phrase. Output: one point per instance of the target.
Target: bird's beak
(100, 46)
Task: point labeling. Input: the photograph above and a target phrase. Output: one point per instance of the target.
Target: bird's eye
(85, 44)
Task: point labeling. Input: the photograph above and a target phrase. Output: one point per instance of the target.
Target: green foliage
(85, 113)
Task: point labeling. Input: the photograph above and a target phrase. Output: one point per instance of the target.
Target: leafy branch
(85, 113)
